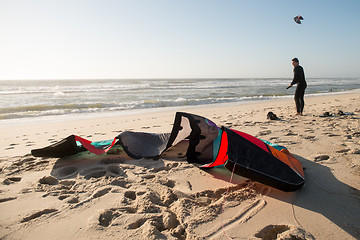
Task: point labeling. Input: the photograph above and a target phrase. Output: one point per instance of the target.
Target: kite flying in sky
(298, 18)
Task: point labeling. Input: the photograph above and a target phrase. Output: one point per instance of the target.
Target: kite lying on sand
(208, 146)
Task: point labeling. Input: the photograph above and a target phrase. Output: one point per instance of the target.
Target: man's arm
(296, 77)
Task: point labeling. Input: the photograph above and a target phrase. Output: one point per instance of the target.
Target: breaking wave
(23, 99)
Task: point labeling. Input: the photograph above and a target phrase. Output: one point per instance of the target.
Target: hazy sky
(71, 39)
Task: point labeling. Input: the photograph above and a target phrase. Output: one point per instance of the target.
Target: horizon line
(164, 78)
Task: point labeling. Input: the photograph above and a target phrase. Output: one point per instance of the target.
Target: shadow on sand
(89, 165)
(322, 193)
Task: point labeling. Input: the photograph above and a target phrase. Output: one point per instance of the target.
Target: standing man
(299, 79)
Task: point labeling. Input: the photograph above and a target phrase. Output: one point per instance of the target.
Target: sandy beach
(115, 197)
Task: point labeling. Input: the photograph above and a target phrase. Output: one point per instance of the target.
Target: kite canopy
(298, 18)
(208, 146)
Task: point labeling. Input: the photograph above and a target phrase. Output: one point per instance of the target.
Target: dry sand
(115, 197)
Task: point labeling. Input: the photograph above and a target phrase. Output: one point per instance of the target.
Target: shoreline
(84, 116)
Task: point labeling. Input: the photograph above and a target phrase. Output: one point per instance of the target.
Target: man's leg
(301, 100)
(297, 103)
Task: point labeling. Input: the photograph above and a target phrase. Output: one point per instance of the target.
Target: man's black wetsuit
(299, 79)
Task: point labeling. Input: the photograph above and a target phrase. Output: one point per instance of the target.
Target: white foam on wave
(24, 99)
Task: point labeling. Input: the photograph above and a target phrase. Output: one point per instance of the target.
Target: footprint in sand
(7, 199)
(98, 193)
(167, 167)
(38, 214)
(148, 176)
(356, 134)
(167, 182)
(130, 194)
(263, 133)
(343, 150)
(148, 210)
(49, 180)
(229, 124)
(115, 171)
(290, 133)
(106, 217)
(101, 192)
(321, 158)
(283, 232)
(65, 172)
(10, 180)
(99, 133)
(28, 144)
(121, 183)
(62, 197)
(73, 200)
(274, 138)
(97, 172)
(309, 137)
(355, 151)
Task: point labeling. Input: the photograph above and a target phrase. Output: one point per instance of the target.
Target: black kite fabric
(208, 146)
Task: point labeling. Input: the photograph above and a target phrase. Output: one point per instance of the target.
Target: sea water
(52, 98)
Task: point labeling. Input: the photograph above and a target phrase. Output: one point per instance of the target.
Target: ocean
(34, 99)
